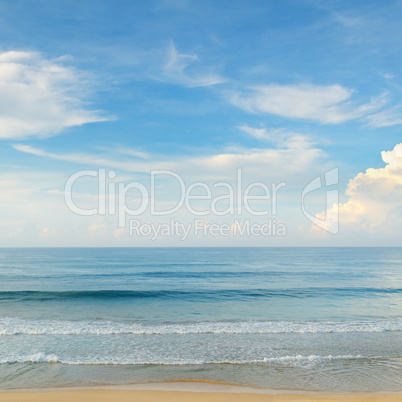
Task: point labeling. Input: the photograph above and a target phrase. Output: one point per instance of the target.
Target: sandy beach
(185, 392)
(184, 396)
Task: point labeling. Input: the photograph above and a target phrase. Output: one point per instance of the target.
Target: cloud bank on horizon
(374, 199)
(283, 100)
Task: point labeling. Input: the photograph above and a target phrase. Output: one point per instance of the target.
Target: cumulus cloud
(324, 104)
(40, 97)
(179, 68)
(375, 198)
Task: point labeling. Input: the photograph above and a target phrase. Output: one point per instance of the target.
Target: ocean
(310, 319)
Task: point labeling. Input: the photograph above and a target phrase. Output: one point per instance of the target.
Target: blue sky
(284, 90)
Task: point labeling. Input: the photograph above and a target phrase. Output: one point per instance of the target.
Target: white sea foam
(14, 326)
(297, 360)
(35, 358)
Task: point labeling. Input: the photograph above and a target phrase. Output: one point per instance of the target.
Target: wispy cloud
(386, 118)
(324, 104)
(41, 97)
(292, 156)
(85, 159)
(179, 68)
(350, 21)
(281, 137)
(259, 133)
(278, 135)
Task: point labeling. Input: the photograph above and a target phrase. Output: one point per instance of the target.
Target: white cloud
(40, 97)
(386, 118)
(292, 155)
(18, 231)
(87, 159)
(97, 229)
(9, 191)
(324, 104)
(31, 215)
(354, 22)
(37, 197)
(280, 137)
(375, 199)
(260, 133)
(39, 200)
(178, 68)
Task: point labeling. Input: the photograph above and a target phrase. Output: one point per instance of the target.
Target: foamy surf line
(281, 360)
(15, 326)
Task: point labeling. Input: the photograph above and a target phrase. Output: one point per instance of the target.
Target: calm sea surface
(327, 319)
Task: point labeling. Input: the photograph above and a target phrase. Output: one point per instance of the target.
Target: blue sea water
(325, 319)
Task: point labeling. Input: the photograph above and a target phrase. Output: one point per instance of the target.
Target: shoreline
(186, 390)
